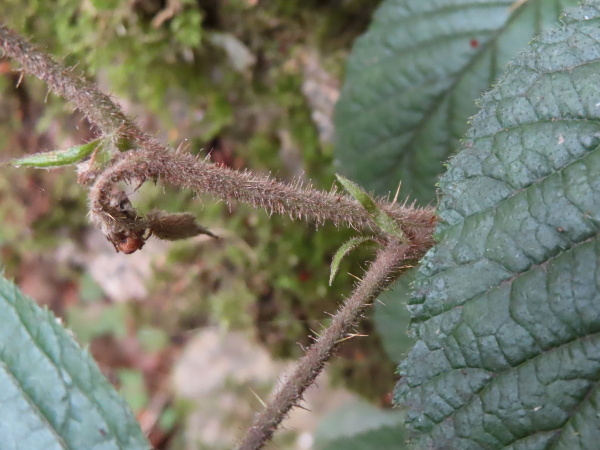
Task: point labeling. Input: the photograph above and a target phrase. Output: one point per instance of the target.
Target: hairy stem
(385, 269)
(299, 202)
(98, 107)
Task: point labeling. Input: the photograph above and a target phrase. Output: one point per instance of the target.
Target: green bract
(412, 81)
(53, 396)
(506, 308)
(58, 158)
(344, 249)
(380, 217)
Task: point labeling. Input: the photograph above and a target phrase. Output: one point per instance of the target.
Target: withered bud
(129, 243)
(172, 227)
(121, 224)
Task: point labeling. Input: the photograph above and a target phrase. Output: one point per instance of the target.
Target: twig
(385, 269)
(299, 202)
(98, 107)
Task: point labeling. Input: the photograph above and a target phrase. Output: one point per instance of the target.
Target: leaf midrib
(33, 406)
(501, 373)
(75, 379)
(405, 157)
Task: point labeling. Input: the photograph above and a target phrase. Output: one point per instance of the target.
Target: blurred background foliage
(249, 84)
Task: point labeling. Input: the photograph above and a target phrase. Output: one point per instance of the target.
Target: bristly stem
(383, 271)
(98, 107)
(183, 170)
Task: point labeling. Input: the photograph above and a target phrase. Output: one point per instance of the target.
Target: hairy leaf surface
(412, 81)
(506, 309)
(52, 395)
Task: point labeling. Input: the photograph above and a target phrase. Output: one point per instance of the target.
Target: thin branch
(299, 202)
(384, 270)
(98, 107)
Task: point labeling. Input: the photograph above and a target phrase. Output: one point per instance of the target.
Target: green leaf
(412, 81)
(391, 317)
(384, 438)
(361, 426)
(380, 217)
(58, 158)
(344, 249)
(52, 395)
(506, 308)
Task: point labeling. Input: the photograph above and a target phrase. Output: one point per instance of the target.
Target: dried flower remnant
(130, 244)
(120, 222)
(128, 231)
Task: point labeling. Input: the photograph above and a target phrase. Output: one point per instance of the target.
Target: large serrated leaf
(52, 395)
(412, 81)
(506, 309)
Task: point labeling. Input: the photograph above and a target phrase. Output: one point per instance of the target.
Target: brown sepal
(175, 226)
